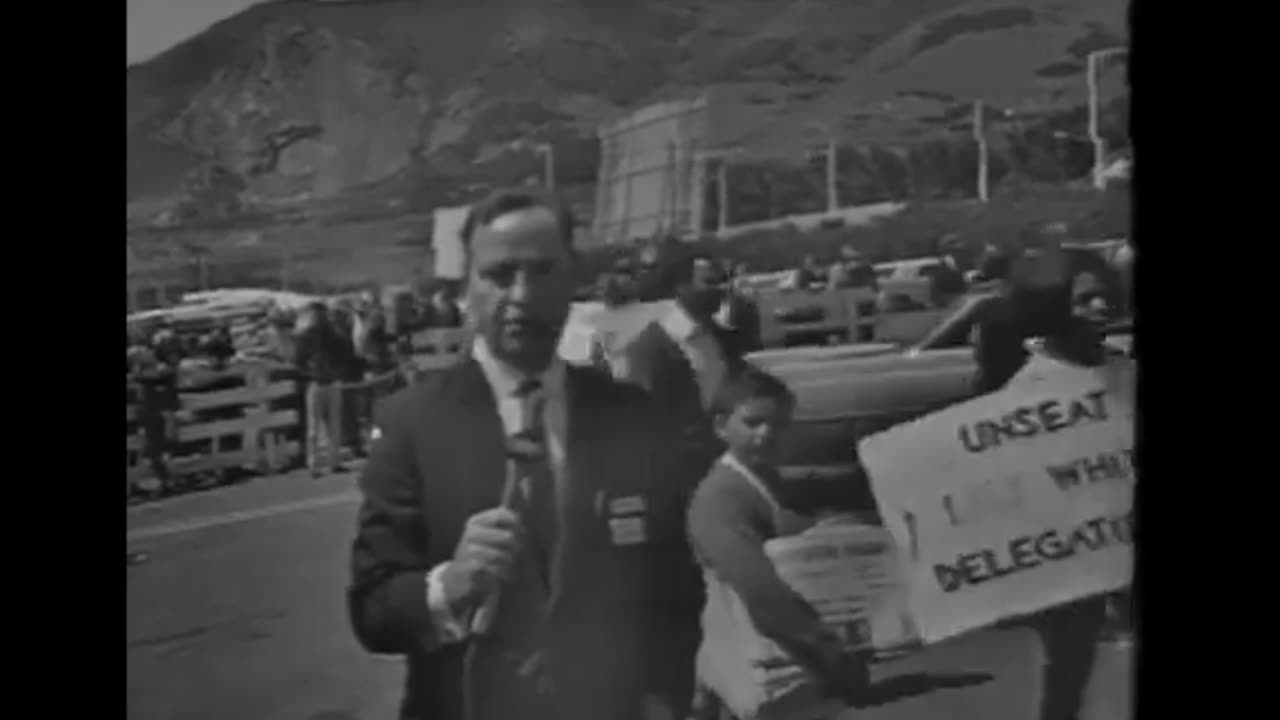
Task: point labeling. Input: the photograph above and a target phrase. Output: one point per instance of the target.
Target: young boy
(739, 506)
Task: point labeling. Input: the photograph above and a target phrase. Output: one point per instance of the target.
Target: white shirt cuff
(450, 628)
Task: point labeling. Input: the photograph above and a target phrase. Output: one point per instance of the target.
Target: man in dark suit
(599, 599)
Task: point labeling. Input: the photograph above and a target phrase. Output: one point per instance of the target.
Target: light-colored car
(849, 391)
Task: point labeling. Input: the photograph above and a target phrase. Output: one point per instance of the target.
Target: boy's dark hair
(503, 202)
(748, 382)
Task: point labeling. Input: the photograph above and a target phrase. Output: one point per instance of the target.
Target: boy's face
(754, 428)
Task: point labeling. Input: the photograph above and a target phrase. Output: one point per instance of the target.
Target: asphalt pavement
(238, 614)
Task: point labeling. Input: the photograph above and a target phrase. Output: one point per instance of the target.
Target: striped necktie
(537, 482)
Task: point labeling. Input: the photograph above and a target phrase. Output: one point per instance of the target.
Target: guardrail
(250, 418)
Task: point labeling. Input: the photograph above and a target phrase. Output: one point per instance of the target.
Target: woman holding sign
(1032, 325)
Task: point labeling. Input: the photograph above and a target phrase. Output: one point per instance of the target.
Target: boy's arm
(725, 538)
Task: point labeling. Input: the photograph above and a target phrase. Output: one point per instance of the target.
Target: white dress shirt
(504, 381)
(702, 351)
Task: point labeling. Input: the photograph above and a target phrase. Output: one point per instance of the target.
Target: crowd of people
(537, 538)
(341, 347)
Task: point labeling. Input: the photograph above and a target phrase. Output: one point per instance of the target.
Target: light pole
(980, 135)
(833, 169)
(548, 164)
(548, 152)
(1099, 143)
(721, 157)
(831, 165)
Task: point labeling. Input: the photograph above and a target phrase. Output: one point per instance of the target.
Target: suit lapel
(573, 476)
(475, 436)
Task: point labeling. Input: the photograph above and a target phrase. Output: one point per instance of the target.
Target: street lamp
(1095, 59)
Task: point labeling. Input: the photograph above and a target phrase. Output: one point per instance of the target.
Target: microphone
(522, 448)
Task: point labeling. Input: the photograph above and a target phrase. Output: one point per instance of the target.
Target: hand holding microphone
(491, 543)
(484, 558)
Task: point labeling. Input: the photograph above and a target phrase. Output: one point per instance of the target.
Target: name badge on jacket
(627, 520)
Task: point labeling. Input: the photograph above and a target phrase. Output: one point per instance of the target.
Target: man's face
(520, 286)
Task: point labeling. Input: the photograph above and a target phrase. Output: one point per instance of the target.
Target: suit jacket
(619, 621)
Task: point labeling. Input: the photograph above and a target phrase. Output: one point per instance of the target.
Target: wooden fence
(241, 418)
(250, 418)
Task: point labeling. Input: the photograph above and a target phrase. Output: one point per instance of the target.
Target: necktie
(536, 478)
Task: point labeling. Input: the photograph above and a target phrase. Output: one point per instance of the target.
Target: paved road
(239, 614)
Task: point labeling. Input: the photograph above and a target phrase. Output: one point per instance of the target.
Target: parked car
(847, 392)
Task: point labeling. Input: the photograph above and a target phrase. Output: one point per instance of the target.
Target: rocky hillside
(360, 106)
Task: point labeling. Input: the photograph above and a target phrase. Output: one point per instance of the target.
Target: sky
(157, 25)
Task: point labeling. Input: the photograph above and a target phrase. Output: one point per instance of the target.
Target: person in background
(377, 360)
(616, 290)
(681, 358)
(188, 346)
(340, 317)
(322, 356)
(705, 274)
(739, 316)
(807, 274)
(218, 346)
(851, 270)
(1039, 305)
(1123, 265)
(280, 338)
(947, 281)
(993, 266)
(662, 267)
(365, 304)
(356, 394)
(443, 310)
(156, 375)
(742, 503)
(617, 286)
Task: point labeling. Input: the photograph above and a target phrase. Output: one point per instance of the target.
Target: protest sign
(846, 570)
(1014, 501)
(614, 329)
(849, 572)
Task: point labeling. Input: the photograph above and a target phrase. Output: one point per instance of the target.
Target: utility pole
(721, 157)
(833, 172)
(548, 165)
(1099, 142)
(980, 135)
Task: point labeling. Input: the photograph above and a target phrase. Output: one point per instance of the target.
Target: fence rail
(250, 418)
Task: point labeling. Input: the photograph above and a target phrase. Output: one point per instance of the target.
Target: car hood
(848, 381)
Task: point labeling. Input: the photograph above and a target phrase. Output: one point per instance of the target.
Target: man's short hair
(507, 201)
(747, 382)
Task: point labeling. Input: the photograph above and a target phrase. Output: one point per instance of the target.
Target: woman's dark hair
(1045, 309)
(748, 382)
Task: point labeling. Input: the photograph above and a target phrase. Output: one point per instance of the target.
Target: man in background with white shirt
(598, 604)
